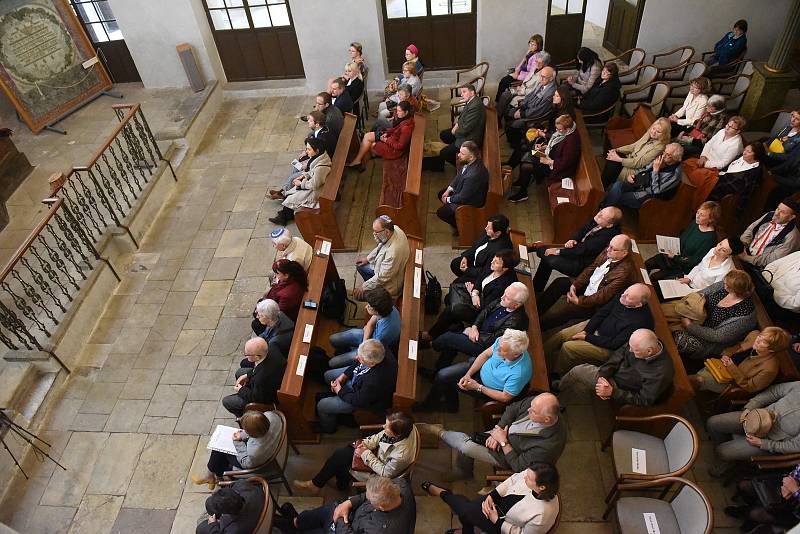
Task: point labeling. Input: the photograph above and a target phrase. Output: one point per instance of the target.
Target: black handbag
(641, 179)
(433, 294)
(764, 288)
(460, 300)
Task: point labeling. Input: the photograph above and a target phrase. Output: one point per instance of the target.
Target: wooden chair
(666, 217)
(322, 220)
(688, 509)
(368, 430)
(673, 63)
(653, 94)
(775, 462)
(641, 75)
(475, 75)
(735, 88)
(583, 201)
(669, 455)
(635, 60)
(412, 314)
(470, 220)
(679, 89)
(272, 470)
(729, 69)
(621, 131)
(267, 516)
(400, 197)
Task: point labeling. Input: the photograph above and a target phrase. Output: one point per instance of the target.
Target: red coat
(399, 138)
(289, 296)
(565, 155)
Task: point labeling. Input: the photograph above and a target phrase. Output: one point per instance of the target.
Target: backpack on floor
(433, 294)
(333, 303)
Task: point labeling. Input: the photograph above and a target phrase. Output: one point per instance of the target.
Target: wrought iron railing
(42, 279)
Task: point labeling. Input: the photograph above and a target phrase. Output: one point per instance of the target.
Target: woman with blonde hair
(625, 161)
(754, 363)
(355, 81)
(717, 154)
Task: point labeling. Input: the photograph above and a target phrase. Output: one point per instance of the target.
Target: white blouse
(703, 275)
(720, 152)
(739, 165)
(693, 107)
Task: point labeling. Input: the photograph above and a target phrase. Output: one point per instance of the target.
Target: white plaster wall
(152, 29)
(668, 24)
(324, 33)
(597, 12)
(503, 32)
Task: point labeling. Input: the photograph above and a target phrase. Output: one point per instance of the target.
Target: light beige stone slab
(127, 415)
(188, 280)
(203, 317)
(51, 519)
(66, 488)
(191, 508)
(223, 269)
(96, 514)
(167, 400)
(193, 342)
(213, 293)
(196, 417)
(161, 473)
(115, 464)
(233, 243)
(178, 303)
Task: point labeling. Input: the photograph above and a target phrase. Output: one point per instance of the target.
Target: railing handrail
(23, 248)
(132, 109)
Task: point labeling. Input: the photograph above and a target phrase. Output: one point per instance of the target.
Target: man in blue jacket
(468, 187)
(660, 180)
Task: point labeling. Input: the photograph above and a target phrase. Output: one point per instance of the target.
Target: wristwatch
(480, 388)
(503, 444)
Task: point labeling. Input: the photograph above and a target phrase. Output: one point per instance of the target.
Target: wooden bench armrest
(601, 112)
(776, 457)
(240, 472)
(260, 406)
(369, 428)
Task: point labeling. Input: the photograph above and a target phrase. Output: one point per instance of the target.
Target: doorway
(101, 26)
(622, 25)
(443, 30)
(564, 32)
(255, 39)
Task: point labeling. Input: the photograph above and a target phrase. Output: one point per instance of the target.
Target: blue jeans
(317, 519)
(329, 407)
(621, 195)
(444, 384)
(366, 271)
(450, 344)
(348, 339)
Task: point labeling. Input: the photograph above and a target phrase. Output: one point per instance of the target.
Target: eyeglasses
(731, 126)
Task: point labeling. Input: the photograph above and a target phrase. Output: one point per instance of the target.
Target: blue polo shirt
(503, 375)
(387, 329)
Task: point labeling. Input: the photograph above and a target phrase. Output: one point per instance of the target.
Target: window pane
(96, 33)
(439, 7)
(112, 28)
(396, 9)
(88, 13)
(220, 19)
(280, 15)
(276, 2)
(574, 6)
(260, 17)
(462, 6)
(233, 3)
(215, 3)
(256, 3)
(238, 18)
(417, 8)
(104, 10)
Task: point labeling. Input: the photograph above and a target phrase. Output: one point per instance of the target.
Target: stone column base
(767, 93)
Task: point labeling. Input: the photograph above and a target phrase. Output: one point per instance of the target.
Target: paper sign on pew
(412, 349)
(325, 249)
(650, 523)
(646, 277)
(418, 256)
(634, 246)
(562, 200)
(301, 365)
(639, 461)
(567, 183)
(307, 333)
(417, 282)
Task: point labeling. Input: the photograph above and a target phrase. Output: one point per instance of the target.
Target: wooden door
(443, 30)
(622, 25)
(100, 25)
(564, 31)
(255, 39)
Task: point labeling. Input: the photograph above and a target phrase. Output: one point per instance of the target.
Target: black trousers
(219, 462)
(504, 83)
(337, 465)
(611, 172)
(447, 212)
(677, 129)
(470, 275)
(568, 266)
(448, 319)
(470, 513)
(531, 171)
(449, 152)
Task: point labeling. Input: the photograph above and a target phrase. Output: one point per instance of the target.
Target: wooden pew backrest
(412, 316)
(666, 217)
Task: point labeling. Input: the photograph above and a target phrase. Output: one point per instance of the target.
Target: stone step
(24, 386)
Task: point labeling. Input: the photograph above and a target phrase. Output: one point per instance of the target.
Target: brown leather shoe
(276, 194)
(307, 486)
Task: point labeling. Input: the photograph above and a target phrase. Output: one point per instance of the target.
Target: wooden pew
(673, 400)
(402, 205)
(412, 315)
(585, 198)
(540, 382)
(666, 217)
(322, 221)
(296, 395)
(470, 220)
(621, 131)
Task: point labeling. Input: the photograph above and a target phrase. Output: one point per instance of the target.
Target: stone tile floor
(133, 422)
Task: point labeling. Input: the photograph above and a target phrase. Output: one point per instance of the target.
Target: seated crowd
(610, 321)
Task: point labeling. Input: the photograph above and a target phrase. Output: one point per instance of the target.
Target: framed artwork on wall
(48, 66)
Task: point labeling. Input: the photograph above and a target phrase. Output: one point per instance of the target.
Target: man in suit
(773, 236)
(609, 328)
(611, 272)
(581, 249)
(261, 382)
(468, 187)
(334, 119)
(341, 98)
(473, 261)
(468, 126)
(637, 373)
(236, 508)
(316, 121)
(385, 265)
(368, 384)
(664, 176)
(530, 430)
(538, 102)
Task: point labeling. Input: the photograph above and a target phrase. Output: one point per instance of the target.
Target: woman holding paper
(758, 362)
(715, 264)
(555, 160)
(695, 241)
(254, 444)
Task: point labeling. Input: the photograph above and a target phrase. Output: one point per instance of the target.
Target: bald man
(536, 104)
(611, 272)
(530, 430)
(580, 250)
(638, 373)
(594, 340)
(259, 383)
